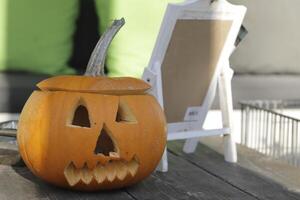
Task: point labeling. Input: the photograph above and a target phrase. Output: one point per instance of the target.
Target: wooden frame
(183, 24)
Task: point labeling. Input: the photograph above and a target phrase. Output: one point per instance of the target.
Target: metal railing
(265, 129)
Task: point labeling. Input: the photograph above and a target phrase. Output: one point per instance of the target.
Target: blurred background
(40, 38)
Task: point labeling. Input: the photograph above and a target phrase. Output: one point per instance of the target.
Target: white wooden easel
(214, 14)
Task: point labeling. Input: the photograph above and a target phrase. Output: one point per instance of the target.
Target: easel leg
(190, 145)
(163, 164)
(225, 95)
(155, 80)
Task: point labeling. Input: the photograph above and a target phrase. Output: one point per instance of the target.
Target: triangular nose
(105, 143)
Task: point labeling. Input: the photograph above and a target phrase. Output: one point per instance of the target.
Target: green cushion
(130, 51)
(37, 35)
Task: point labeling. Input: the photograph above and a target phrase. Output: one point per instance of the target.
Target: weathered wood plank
(250, 182)
(20, 184)
(203, 175)
(9, 154)
(185, 181)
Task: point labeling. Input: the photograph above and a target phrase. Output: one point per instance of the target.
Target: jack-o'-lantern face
(92, 132)
(97, 133)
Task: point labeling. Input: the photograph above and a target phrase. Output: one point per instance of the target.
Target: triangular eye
(124, 114)
(105, 144)
(81, 117)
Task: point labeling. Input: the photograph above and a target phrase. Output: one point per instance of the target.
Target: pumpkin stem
(95, 66)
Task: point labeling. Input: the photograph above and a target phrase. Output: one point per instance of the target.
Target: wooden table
(202, 175)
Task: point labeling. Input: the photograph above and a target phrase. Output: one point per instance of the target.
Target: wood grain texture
(243, 179)
(9, 154)
(185, 181)
(203, 175)
(20, 184)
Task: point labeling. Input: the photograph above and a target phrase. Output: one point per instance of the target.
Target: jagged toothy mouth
(115, 169)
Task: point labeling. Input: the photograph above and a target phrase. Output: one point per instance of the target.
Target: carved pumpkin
(91, 133)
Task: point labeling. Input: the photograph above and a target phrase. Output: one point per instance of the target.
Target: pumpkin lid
(100, 84)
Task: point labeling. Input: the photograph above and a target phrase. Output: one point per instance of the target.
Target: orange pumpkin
(91, 133)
